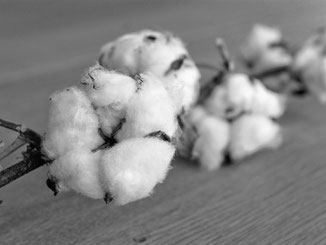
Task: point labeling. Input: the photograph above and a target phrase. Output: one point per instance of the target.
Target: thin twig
(221, 47)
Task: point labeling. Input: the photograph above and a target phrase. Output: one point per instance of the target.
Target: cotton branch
(33, 157)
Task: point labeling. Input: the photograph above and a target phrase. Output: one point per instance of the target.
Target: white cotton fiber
(149, 110)
(122, 54)
(251, 133)
(264, 49)
(108, 87)
(266, 102)
(213, 139)
(72, 123)
(231, 98)
(310, 64)
(239, 94)
(160, 53)
(131, 169)
(109, 92)
(78, 170)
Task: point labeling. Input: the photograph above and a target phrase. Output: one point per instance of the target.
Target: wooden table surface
(274, 197)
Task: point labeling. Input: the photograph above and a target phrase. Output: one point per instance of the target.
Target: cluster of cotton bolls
(235, 121)
(293, 70)
(111, 138)
(115, 135)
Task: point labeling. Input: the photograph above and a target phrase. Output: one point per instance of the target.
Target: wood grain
(274, 197)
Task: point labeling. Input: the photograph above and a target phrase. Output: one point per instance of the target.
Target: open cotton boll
(212, 141)
(149, 110)
(232, 98)
(109, 92)
(78, 170)
(239, 94)
(72, 123)
(131, 169)
(160, 53)
(251, 133)
(265, 48)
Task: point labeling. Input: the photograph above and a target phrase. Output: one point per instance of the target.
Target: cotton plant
(134, 153)
(250, 109)
(114, 136)
(161, 53)
(245, 107)
(309, 64)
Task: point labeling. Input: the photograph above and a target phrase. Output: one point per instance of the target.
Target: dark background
(274, 197)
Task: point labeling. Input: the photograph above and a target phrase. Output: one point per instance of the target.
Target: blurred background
(271, 198)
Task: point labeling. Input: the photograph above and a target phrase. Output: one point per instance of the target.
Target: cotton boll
(78, 170)
(109, 92)
(231, 98)
(212, 141)
(72, 123)
(251, 133)
(131, 169)
(160, 53)
(239, 94)
(149, 110)
(265, 49)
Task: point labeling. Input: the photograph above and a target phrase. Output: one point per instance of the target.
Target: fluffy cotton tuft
(131, 169)
(160, 53)
(109, 92)
(78, 170)
(213, 138)
(239, 94)
(265, 49)
(149, 110)
(310, 64)
(251, 133)
(72, 123)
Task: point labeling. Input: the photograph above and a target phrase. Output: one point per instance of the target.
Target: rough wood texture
(272, 198)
